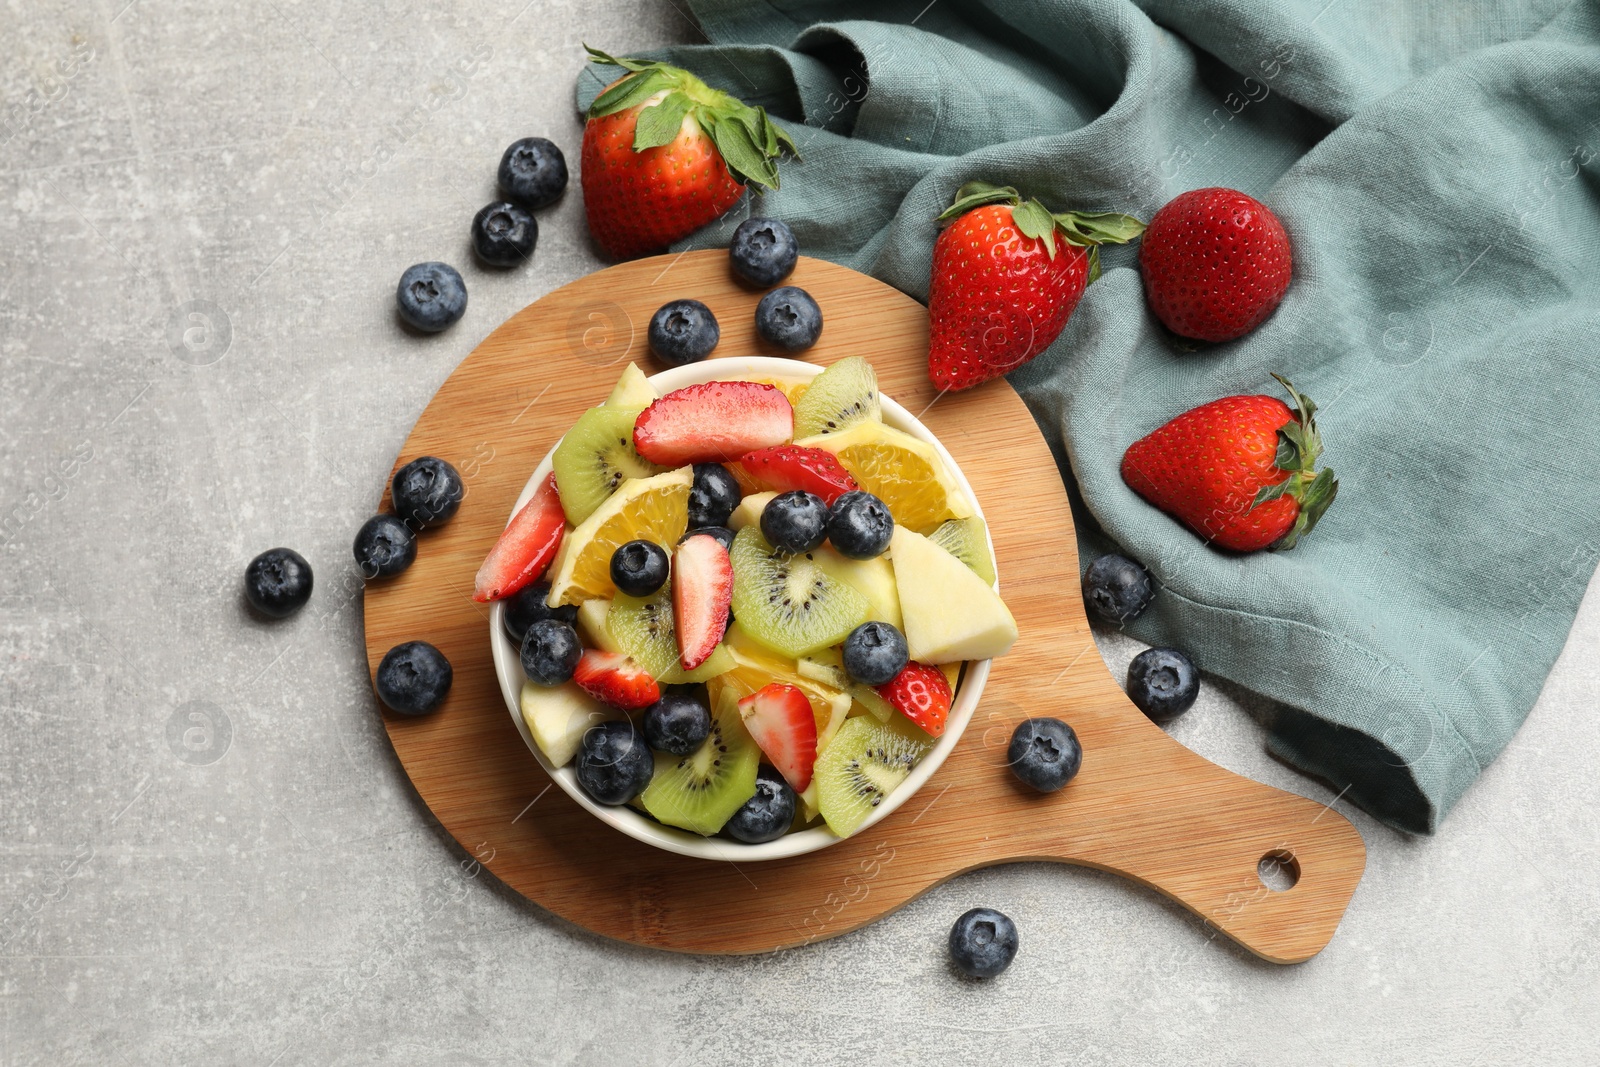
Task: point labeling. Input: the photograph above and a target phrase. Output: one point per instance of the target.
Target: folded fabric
(1438, 170)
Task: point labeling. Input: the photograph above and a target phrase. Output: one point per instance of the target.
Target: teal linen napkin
(1438, 169)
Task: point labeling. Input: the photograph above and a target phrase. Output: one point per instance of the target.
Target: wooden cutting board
(1143, 805)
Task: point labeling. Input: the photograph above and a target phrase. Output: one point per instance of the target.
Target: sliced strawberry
(779, 717)
(525, 549)
(788, 467)
(712, 423)
(615, 679)
(922, 694)
(702, 589)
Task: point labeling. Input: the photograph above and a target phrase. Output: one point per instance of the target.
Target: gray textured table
(203, 211)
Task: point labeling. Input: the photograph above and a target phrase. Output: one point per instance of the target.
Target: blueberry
(384, 547)
(874, 653)
(683, 331)
(432, 296)
(533, 173)
(614, 763)
(639, 568)
(714, 496)
(278, 582)
(763, 251)
(550, 652)
(1116, 589)
(721, 533)
(427, 492)
(859, 525)
(504, 234)
(1045, 753)
(789, 318)
(795, 521)
(983, 942)
(413, 678)
(1163, 682)
(767, 815)
(679, 722)
(527, 606)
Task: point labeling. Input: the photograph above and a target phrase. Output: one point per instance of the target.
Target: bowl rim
(508, 666)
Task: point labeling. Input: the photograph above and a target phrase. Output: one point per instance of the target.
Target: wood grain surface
(1143, 805)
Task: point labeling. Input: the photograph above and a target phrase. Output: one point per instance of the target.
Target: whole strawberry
(665, 154)
(1240, 471)
(1216, 263)
(1006, 275)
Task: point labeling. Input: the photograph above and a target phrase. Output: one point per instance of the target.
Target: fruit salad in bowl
(744, 608)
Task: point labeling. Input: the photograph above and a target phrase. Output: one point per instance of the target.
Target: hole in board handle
(1278, 870)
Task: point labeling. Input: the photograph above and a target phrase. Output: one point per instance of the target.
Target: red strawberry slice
(922, 694)
(712, 423)
(702, 589)
(525, 549)
(615, 679)
(789, 467)
(779, 717)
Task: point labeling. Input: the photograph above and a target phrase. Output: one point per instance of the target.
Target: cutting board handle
(1270, 869)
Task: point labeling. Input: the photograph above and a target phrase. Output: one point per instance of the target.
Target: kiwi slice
(838, 398)
(642, 628)
(968, 541)
(595, 457)
(866, 761)
(701, 791)
(789, 603)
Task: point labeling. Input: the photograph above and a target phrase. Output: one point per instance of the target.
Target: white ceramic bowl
(508, 665)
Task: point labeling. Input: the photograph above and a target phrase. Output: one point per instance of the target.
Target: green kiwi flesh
(643, 628)
(701, 791)
(838, 398)
(594, 458)
(787, 602)
(865, 762)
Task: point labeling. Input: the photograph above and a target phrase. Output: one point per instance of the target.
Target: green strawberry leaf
(1295, 435)
(739, 149)
(1318, 496)
(1304, 403)
(779, 135)
(1271, 492)
(597, 56)
(1099, 228)
(975, 194)
(1288, 457)
(634, 89)
(765, 132)
(1033, 219)
(658, 125)
(1094, 265)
